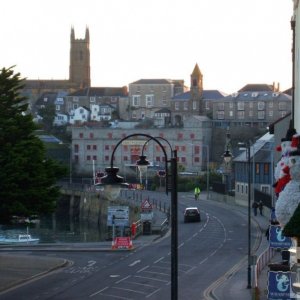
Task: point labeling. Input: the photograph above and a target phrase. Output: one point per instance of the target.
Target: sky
(234, 42)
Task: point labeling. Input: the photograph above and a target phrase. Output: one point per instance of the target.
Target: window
(125, 148)
(282, 106)
(75, 106)
(220, 115)
(271, 113)
(94, 147)
(271, 104)
(76, 148)
(250, 113)
(257, 169)
(157, 148)
(88, 147)
(157, 158)
(231, 105)
(136, 100)
(196, 149)
(109, 135)
(106, 147)
(183, 148)
(125, 158)
(92, 99)
(241, 115)
(261, 105)
(240, 105)
(266, 169)
(265, 189)
(106, 157)
(149, 100)
(194, 105)
(177, 106)
(261, 114)
(57, 107)
(185, 106)
(196, 159)
(221, 106)
(183, 160)
(91, 135)
(164, 100)
(81, 135)
(230, 113)
(207, 105)
(94, 157)
(251, 105)
(192, 135)
(75, 99)
(88, 157)
(179, 136)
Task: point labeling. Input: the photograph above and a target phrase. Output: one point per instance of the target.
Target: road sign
(122, 242)
(146, 205)
(118, 216)
(147, 216)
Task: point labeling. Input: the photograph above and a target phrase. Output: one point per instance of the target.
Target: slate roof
(261, 149)
(102, 91)
(153, 81)
(207, 95)
(256, 87)
(263, 95)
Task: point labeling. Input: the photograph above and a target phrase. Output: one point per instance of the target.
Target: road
(206, 251)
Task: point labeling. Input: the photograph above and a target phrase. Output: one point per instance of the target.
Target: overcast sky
(234, 42)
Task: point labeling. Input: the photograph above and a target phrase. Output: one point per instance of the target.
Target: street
(206, 251)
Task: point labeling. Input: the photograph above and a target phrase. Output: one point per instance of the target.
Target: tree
(48, 115)
(27, 177)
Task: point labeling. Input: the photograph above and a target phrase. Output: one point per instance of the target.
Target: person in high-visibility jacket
(197, 192)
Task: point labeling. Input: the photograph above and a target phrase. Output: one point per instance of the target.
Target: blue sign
(279, 285)
(277, 239)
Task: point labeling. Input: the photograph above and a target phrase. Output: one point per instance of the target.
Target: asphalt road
(206, 250)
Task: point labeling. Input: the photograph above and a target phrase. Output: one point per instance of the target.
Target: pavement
(17, 268)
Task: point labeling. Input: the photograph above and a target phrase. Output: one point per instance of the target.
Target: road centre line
(141, 270)
(123, 279)
(159, 259)
(96, 293)
(180, 245)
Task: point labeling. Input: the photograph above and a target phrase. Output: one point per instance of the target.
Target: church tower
(80, 60)
(197, 88)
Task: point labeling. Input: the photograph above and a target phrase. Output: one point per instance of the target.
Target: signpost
(120, 215)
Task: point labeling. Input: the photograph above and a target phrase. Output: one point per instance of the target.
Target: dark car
(192, 214)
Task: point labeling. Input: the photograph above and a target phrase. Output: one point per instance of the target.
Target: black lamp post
(249, 216)
(112, 179)
(247, 146)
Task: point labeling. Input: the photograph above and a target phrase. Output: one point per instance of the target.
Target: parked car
(192, 214)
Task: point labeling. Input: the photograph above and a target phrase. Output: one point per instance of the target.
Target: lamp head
(112, 183)
(142, 164)
(227, 156)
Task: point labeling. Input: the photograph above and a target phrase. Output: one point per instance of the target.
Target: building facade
(251, 107)
(92, 146)
(146, 96)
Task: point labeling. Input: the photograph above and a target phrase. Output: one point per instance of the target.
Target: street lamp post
(207, 170)
(112, 179)
(249, 216)
(248, 148)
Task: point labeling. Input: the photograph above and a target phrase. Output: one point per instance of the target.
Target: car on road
(192, 214)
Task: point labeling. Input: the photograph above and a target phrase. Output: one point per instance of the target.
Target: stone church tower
(80, 60)
(197, 89)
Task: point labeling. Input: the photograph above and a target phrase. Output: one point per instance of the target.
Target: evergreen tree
(27, 177)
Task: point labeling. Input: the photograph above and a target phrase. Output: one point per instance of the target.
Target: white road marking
(159, 260)
(141, 270)
(134, 263)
